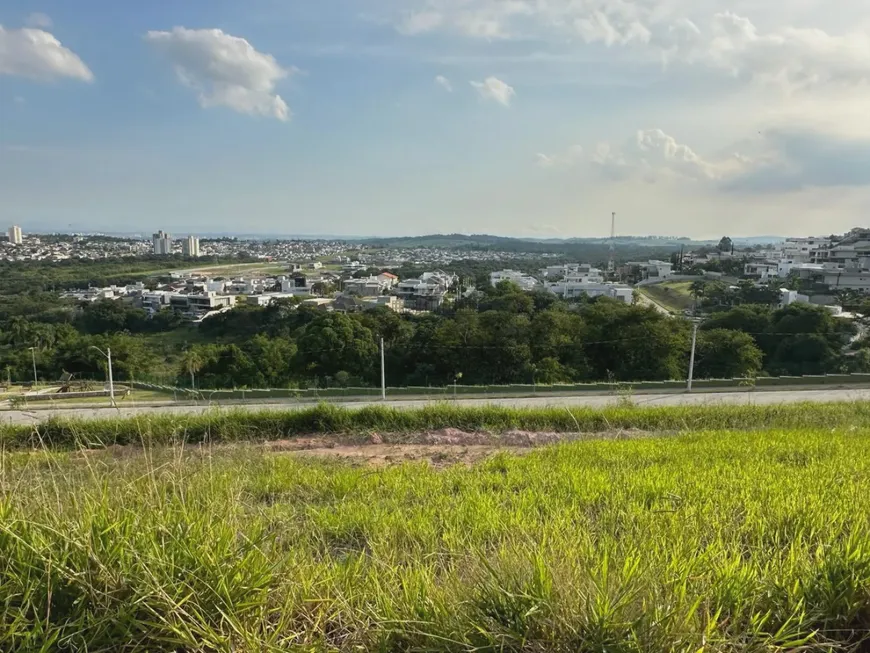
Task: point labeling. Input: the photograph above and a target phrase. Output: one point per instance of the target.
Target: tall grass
(717, 541)
(240, 426)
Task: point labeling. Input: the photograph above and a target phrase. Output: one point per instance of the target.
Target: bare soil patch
(441, 448)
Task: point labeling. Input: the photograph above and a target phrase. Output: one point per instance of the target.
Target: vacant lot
(676, 296)
(714, 541)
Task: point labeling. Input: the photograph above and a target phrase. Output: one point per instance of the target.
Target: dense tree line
(499, 336)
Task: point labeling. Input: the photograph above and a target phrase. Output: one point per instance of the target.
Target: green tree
(335, 342)
(191, 363)
(723, 354)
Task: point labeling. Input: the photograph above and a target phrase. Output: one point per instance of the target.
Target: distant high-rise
(15, 236)
(162, 243)
(190, 246)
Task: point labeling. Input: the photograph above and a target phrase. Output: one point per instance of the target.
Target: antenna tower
(611, 266)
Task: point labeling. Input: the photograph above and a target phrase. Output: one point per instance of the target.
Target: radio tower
(611, 266)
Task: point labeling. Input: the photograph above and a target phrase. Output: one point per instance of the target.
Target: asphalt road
(30, 417)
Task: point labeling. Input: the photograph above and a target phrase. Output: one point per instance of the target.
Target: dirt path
(440, 448)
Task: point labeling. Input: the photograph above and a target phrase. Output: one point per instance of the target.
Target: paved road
(759, 398)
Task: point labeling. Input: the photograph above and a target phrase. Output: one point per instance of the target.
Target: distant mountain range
(510, 244)
(474, 240)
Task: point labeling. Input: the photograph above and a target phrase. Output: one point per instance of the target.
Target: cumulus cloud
(674, 32)
(37, 54)
(795, 160)
(444, 83)
(593, 21)
(796, 57)
(650, 154)
(780, 161)
(492, 88)
(224, 70)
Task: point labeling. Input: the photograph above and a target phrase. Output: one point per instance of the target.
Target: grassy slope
(713, 541)
(673, 295)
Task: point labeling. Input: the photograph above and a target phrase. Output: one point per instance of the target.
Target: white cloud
(485, 19)
(225, 70)
(607, 21)
(421, 22)
(493, 88)
(673, 31)
(651, 154)
(780, 161)
(444, 83)
(38, 19)
(571, 156)
(798, 58)
(19, 100)
(36, 54)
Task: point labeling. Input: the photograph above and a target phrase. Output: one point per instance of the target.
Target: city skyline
(374, 117)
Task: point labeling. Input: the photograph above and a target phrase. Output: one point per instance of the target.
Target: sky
(532, 118)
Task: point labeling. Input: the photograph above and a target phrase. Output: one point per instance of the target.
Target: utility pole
(383, 374)
(111, 380)
(611, 265)
(692, 357)
(35, 378)
(108, 355)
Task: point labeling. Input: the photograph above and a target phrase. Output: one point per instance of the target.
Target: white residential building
(789, 297)
(190, 247)
(366, 287)
(156, 301)
(426, 293)
(388, 279)
(848, 280)
(659, 269)
(266, 299)
(296, 286)
(15, 235)
(762, 270)
(575, 290)
(803, 250)
(524, 281)
(649, 270)
(162, 243)
(851, 252)
(197, 305)
(581, 272)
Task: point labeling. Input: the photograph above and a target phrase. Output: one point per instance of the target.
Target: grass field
(21, 402)
(704, 541)
(227, 426)
(234, 269)
(676, 296)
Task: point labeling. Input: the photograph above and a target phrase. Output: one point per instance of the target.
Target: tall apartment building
(190, 246)
(15, 236)
(162, 243)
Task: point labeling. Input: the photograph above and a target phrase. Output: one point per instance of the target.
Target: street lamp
(35, 378)
(108, 355)
(695, 324)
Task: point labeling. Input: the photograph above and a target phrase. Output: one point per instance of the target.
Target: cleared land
(687, 541)
(231, 269)
(676, 296)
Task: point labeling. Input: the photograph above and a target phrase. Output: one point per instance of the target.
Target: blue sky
(515, 117)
